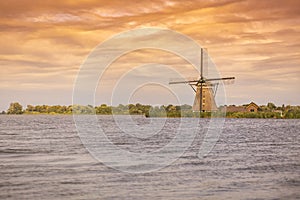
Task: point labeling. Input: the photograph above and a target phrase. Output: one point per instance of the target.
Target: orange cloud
(42, 42)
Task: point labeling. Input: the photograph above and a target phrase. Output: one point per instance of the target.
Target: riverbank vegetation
(265, 111)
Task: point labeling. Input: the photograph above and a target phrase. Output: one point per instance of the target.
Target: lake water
(42, 157)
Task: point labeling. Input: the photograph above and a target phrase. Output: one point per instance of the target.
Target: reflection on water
(42, 157)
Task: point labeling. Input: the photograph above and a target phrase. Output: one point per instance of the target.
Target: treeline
(130, 109)
(268, 111)
(267, 114)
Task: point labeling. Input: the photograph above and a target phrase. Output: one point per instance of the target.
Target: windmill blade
(201, 65)
(201, 96)
(220, 79)
(178, 82)
(228, 82)
(225, 81)
(205, 63)
(181, 80)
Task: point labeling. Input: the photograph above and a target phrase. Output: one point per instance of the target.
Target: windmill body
(208, 100)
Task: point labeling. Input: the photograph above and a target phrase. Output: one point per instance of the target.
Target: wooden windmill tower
(205, 89)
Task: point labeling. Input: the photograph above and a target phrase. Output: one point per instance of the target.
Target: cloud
(57, 18)
(257, 41)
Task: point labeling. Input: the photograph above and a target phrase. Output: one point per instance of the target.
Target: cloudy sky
(44, 43)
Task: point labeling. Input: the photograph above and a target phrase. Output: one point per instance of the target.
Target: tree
(103, 110)
(271, 106)
(186, 107)
(15, 108)
(30, 108)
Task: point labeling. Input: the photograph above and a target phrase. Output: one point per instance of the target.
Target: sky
(43, 45)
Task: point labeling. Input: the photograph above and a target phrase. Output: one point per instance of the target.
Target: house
(251, 107)
(233, 108)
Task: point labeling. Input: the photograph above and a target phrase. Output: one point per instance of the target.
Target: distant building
(233, 108)
(251, 107)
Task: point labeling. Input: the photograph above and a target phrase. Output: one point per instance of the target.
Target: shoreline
(141, 115)
(170, 111)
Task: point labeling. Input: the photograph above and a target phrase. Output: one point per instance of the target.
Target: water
(42, 157)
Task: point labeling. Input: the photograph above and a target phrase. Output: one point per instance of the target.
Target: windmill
(205, 88)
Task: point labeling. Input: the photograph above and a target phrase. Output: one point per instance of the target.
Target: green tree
(15, 108)
(271, 106)
(80, 109)
(133, 110)
(30, 108)
(103, 110)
